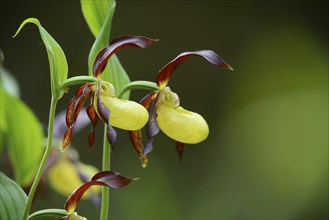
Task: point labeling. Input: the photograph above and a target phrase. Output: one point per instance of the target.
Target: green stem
(105, 166)
(44, 158)
(77, 80)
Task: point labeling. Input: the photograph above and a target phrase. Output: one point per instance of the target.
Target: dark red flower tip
(116, 44)
(180, 150)
(91, 112)
(166, 72)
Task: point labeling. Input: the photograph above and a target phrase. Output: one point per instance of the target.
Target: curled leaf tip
(28, 20)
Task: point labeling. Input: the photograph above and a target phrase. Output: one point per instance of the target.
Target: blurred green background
(267, 153)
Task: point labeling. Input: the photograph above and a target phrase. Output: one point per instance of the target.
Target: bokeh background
(267, 153)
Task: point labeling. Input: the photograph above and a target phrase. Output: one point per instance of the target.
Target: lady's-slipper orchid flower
(166, 114)
(122, 114)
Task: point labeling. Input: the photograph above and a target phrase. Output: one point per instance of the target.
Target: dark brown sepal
(67, 138)
(166, 72)
(136, 140)
(116, 44)
(93, 118)
(73, 110)
(111, 135)
(103, 178)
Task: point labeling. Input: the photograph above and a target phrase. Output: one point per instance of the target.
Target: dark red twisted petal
(152, 128)
(136, 140)
(103, 178)
(166, 72)
(73, 110)
(116, 44)
(136, 136)
(111, 135)
(93, 118)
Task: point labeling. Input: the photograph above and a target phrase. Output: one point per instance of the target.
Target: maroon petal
(103, 111)
(147, 100)
(111, 135)
(180, 150)
(136, 136)
(111, 179)
(93, 118)
(166, 72)
(104, 178)
(73, 111)
(116, 44)
(67, 138)
(152, 128)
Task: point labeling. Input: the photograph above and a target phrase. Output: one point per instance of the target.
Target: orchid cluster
(158, 110)
(163, 105)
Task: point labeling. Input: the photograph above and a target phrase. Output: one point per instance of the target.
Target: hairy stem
(105, 166)
(44, 158)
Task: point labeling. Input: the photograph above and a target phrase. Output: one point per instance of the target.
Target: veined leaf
(56, 57)
(98, 15)
(25, 138)
(12, 200)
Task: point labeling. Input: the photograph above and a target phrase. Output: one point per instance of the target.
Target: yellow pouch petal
(124, 114)
(178, 123)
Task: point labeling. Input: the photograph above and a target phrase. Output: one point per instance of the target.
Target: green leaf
(7, 80)
(12, 199)
(56, 57)
(25, 138)
(115, 74)
(98, 15)
(48, 214)
(3, 121)
(95, 15)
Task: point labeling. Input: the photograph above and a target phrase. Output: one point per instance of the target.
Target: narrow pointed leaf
(115, 45)
(104, 178)
(12, 199)
(24, 136)
(166, 72)
(56, 57)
